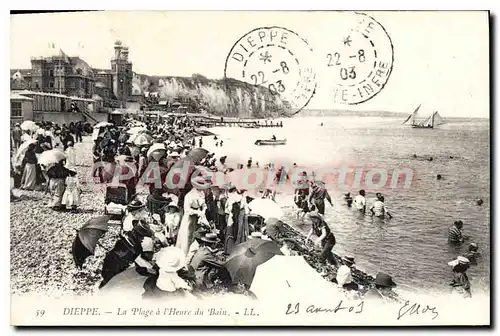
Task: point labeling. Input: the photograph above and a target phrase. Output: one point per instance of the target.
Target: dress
(194, 207)
(28, 180)
(71, 197)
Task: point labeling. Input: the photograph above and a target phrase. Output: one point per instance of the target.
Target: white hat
(170, 259)
(156, 217)
(201, 182)
(459, 260)
(174, 154)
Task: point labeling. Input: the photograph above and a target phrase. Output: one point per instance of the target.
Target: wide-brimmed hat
(348, 259)
(174, 154)
(135, 205)
(384, 279)
(170, 259)
(459, 260)
(210, 237)
(201, 182)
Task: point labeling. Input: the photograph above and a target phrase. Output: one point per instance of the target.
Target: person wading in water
(317, 197)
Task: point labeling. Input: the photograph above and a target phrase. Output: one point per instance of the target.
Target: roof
(17, 96)
(40, 93)
(82, 99)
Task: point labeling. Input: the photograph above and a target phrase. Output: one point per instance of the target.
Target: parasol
(143, 139)
(51, 156)
(156, 147)
(87, 237)
(136, 130)
(128, 282)
(22, 150)
(103, 124)
(245, 258)
(265, 208)
(29, 125)
(290, 277)
(197, 154)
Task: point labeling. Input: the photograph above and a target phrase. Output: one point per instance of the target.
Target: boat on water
(433, 120)
(270, 142)
(250, 126)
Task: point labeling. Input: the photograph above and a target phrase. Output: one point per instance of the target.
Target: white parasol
(103, 124)
(143, 139)
(52, 156)
(29, 125)
(136, 130)
(265, 208)
(18, 159)
(155, 147)
(291, 278)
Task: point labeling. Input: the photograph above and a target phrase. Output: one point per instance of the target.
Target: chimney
(125, 53)
(118, 48)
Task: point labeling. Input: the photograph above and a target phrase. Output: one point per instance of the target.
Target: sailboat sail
(413, 116)
(437, 119)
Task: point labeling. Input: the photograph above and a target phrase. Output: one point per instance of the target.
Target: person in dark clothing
(57, 175)
(317, 197)
(326, 238)
(65, 138)
(78, 131)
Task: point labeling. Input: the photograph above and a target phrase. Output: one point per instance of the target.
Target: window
(15, 109)
(51, 85)
(37, 85)
(51, 73)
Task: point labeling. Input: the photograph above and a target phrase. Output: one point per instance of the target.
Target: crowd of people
(179, 237)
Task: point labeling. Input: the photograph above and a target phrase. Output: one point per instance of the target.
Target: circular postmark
(278, 61)
(360, 62)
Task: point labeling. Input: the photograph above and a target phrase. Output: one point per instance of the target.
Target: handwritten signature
(416, 309)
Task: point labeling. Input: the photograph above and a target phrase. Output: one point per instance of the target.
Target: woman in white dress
(194, 214)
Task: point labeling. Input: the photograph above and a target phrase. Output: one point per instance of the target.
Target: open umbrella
(143, 139)
(156, 147)
(103, 124)
(29, 125)
(290, 277)
(245, 258)
(87, 237)
(197, 154)
(136, 130)
(51, 156)
(266, 208)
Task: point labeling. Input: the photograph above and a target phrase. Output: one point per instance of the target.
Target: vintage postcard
(312, 168)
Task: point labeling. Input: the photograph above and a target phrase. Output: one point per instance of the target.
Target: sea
(412, 246)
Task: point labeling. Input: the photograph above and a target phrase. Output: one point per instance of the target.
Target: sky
(441, 59)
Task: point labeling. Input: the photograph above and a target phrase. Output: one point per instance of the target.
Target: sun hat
(459, 260)
(174, 154)
(210, 237)
(256, 234)
(201, 182)
(349, 259)
(170, 259)
(135, 205)
(384, 279)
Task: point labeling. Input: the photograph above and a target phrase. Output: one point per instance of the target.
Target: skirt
(57, 188)
(186, 232)
(71, 197)
(28, 181)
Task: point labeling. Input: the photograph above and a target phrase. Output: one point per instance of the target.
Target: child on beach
(71, 196)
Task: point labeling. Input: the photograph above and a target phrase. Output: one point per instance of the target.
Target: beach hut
(116, 117)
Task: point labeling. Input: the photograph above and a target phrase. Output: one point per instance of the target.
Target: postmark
(360, 62)
(277, 59)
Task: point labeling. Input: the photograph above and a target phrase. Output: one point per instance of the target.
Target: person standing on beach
(460, 283)
(317, 197)
(326, 239)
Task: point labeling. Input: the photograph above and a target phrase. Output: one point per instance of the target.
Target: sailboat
(433, 120)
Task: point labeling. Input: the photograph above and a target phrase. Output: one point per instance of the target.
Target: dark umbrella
(246, 256)
(197, 154)
(87, 237)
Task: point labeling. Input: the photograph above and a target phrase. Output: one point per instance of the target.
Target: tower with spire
(121, 69)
